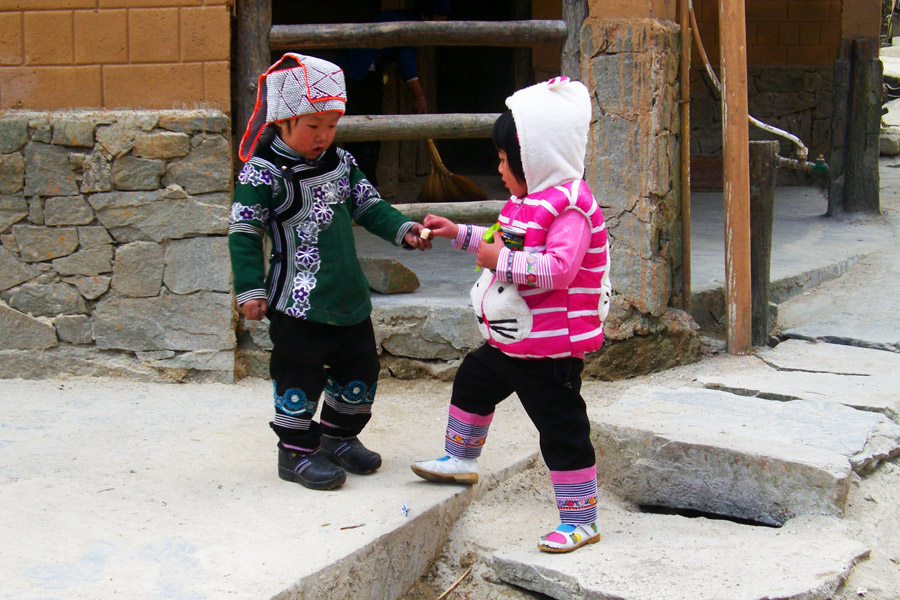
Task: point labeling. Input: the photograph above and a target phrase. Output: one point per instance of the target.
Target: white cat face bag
(502, 313)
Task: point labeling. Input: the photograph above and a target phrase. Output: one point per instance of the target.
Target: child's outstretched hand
(417, 238)
(254, 309)
(489, 252)
(441, 226)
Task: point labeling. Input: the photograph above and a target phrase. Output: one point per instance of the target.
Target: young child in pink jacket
(540, 302)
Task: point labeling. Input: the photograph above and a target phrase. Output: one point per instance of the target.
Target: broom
(443, 186)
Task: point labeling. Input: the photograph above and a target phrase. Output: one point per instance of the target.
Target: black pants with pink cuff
(550, 392)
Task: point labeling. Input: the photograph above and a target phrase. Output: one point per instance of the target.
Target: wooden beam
(254, 20)
(736, 158)
(574, 14)
(418, 33)
(366, 128)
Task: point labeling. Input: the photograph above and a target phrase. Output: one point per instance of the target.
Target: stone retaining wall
(796, 99)
(114, 257)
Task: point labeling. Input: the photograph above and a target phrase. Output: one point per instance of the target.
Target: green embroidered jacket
(307, 209)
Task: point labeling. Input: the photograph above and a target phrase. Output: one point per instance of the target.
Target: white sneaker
(448, 469)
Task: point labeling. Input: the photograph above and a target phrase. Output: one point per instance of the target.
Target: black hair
(506, 138)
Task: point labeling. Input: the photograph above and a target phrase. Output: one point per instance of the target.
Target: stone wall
(796, 99)
(114, 256)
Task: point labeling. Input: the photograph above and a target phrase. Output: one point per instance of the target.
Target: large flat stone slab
(121, 489)
(666, 557)
(747, 458)
(864, 392)
(821, 357)
(875, 333)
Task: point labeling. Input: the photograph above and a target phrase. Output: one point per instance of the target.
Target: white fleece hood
(552, 119)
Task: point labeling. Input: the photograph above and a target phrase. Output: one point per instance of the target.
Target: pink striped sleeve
(568, 238)
(468, 237)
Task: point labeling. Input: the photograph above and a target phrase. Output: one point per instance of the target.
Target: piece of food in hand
(425, 233)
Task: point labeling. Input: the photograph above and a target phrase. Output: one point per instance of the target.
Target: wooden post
(574, 14)
(861, 180)
(839, 112)
(762, 208)
(522, 70)
(254, 20)
(736, 150)
(685, 140)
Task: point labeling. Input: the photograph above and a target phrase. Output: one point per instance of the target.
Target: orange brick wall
(111, 54)
(779, 32)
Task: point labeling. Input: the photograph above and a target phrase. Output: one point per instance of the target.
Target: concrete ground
(111, 488)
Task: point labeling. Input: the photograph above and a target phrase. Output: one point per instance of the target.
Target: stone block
(91, 236)
(875, 334)
(389, 276)
(14, 271)
(130, 173)
(206, 169)
(423, 333)
(90, 287)
(47, 171)
(745, 458)
(116, 139)
(45, 299)
(74, 329)
(73, 132)
(196, 122)
(13, 134)
(876, 393)
(197, 322)
(163, 144)
(67, 210)
(818, 357)
(38, 243)
(21, 332)
(12, 173)
(96, 172)
(138, 269)
(647, 556)
(88, 262)
(13, 209)
(196, 264)
(200, 360)
(72, 361)
(158, 216)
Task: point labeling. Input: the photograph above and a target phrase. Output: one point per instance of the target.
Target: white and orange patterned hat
(295, 85)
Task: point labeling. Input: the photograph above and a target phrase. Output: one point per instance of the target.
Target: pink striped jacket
(564, 322)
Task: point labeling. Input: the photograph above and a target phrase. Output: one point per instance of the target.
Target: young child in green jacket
(304, 194)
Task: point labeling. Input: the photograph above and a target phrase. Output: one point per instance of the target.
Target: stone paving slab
(119, 489)
(877, 334)
(747, 458)
(820, 357)
(877, 393)
(669, 557)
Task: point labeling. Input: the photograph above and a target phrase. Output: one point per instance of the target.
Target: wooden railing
(256, 37)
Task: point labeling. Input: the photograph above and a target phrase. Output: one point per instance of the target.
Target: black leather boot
(312, 470)
(351, 454)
